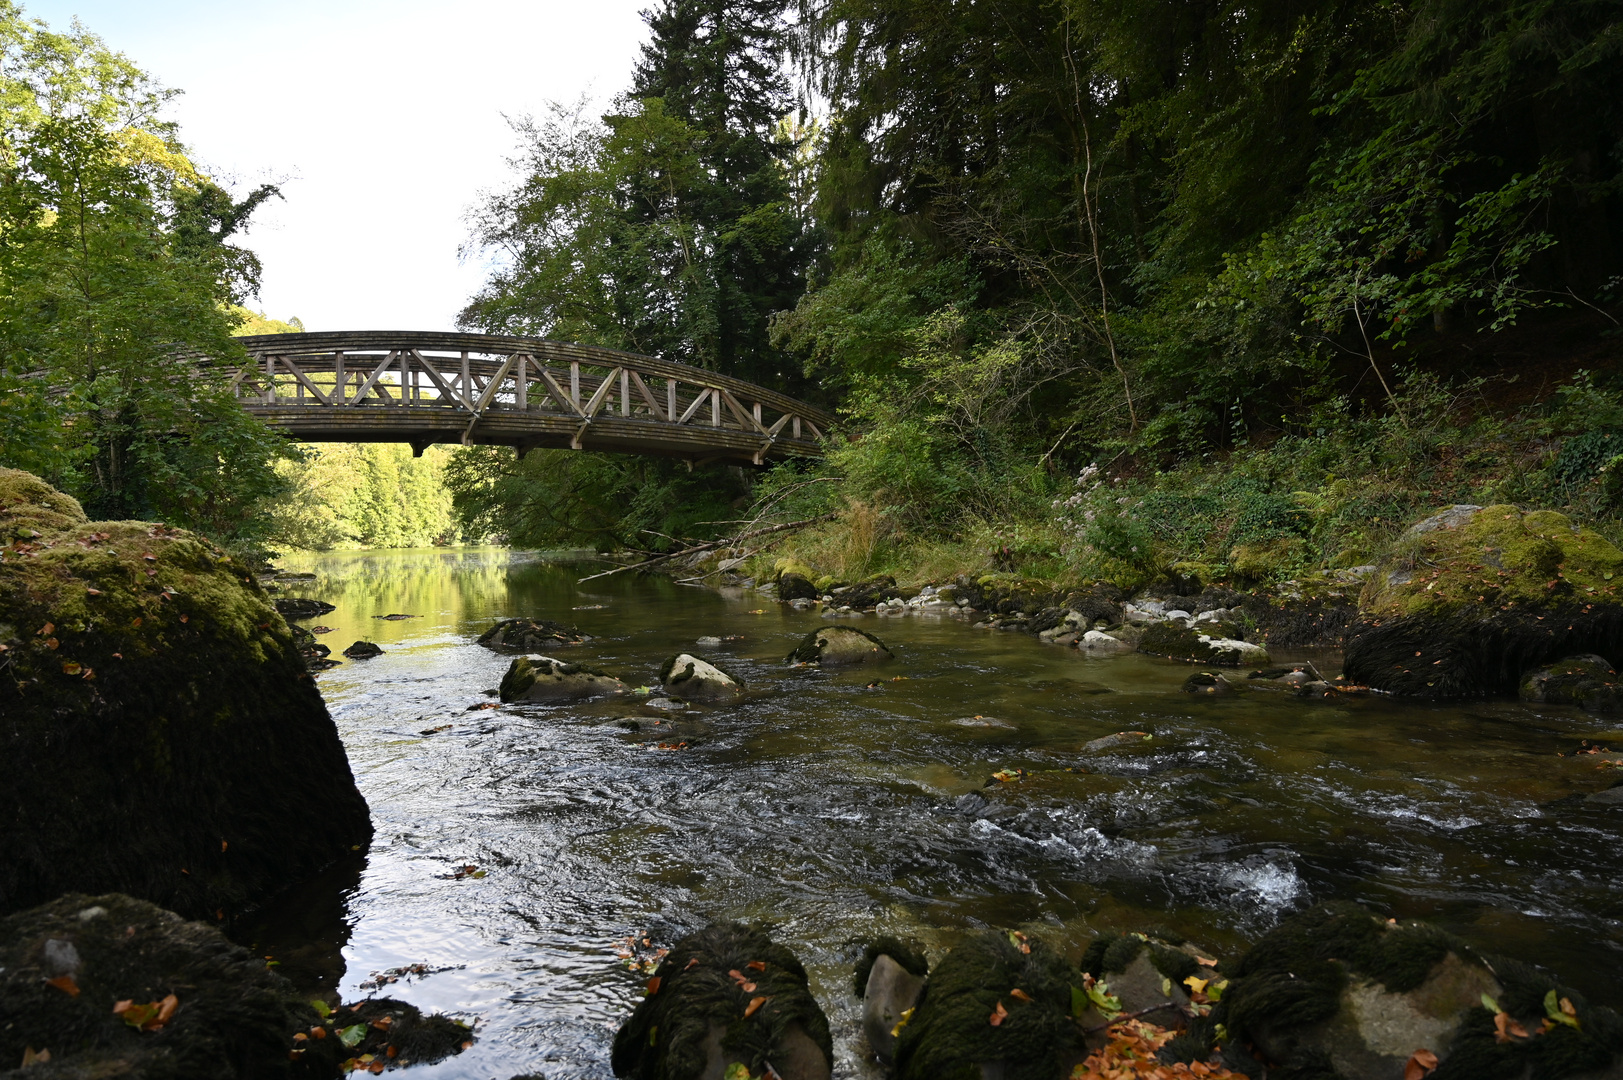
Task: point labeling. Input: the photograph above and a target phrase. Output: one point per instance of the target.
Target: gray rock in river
(363, 650)
(692, 679)
(1208, 682)
(891, 979)
(544, 679)
(839, 645)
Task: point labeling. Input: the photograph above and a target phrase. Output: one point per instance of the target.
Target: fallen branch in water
(711, 545)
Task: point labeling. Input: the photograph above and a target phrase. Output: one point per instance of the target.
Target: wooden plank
(670, 399)
(439, 381)
(558, 392)
(601, 395)
(522, 384)
(647, 395)
(304, 381)
(492, 386)
(373, 378)
(338, 378)
(775, 428)
(745, 420)
(574, 386)
(697, 403)
(625, 393)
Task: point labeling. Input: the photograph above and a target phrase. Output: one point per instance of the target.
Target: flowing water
(832, 810)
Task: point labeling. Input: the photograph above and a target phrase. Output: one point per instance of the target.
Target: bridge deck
(422, 388)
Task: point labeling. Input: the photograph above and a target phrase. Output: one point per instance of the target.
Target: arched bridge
(425, 388)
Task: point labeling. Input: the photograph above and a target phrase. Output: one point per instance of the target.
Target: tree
(114, 266)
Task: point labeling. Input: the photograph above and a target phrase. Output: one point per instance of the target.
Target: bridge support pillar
(419, 445)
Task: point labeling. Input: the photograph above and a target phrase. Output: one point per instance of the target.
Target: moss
(781, 567)
(1295, 975)
(1267, 558)
(157, 708)
(1477, 1054)
(950, 1035)
(905, 953)
(30, 506)
(1496, 558)
(1178, 642)
(664, 1038)
(1113, 953)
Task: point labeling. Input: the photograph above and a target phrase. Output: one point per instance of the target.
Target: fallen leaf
(32, 1057)
(653, 985)
(1505, 1027)
(756, 965)
(352, 1036)
(149, 557)
(47, 630)
(299, 1036)
(754, 1006)
(51, 643)
(93, 592)
(222, 845)
(65, 984)
(999, 1014)
(1205, 961)
(691, 963)
(70, 668)
(1420, 1063)
(1021, 995)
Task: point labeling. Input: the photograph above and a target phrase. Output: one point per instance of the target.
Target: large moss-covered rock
(833, 646)
(1177, 642)
(950, 1034)
(727, 995)
(159, 734)
(545, 679)
(1338, 990)
(529, 636)
(692, 679)
(65, 966)
(1473, 597)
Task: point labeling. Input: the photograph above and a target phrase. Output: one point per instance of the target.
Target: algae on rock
(162, 737)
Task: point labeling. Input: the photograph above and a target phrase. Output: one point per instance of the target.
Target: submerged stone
(301, 607)
(162, 737)
(363, 650)
(545, 679)
(1588, 680)
(839, 645)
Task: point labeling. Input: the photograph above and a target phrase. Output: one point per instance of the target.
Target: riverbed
(520, 850)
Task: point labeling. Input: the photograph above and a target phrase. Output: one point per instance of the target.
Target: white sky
(382, 121)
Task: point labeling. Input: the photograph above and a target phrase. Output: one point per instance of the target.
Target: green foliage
(565, 498)
(114, 264)
(374, 495)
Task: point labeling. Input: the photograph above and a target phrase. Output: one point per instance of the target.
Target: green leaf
(1103, 1000)
(1552, 1009)
(1079, 1001)
(322, 1009)
(352, 1036)
(1490, 1004)
(737, 1071)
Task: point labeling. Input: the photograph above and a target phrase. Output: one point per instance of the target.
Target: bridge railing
(481, 377)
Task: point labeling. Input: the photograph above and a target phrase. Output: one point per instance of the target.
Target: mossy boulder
(727, 995)
(232, 1015)
(1473, 597)
(1589, 681)
(547, 680)
(1266, 558)
(950, 1037)
(692, 679)
(1337, 989)
(1178, 642)
(529, 636)
(796, 587)
(833, 646)
(162, 737)
(1148, 973)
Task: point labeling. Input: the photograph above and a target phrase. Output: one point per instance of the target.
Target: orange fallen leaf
(299, 1036)
(1504, 1027)
(756, 965)
(691, 963)
(392, 1051)
(65, 984)
(754, 1005)
(1020, 995)
(653, 985)
(375, 1068)
(1420, 1063)
(1205, 961)
(319, 1032)
(47, 630)
(167, 1008)
(999, 1014)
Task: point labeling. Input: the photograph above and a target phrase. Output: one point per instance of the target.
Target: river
(831, 810)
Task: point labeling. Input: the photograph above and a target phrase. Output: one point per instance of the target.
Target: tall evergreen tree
(717, 66)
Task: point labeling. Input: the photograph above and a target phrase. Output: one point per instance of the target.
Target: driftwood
(710, 545)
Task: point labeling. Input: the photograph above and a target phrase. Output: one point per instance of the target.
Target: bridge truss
(426, 388)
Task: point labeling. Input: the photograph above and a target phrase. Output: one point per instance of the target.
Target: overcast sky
(381, 121)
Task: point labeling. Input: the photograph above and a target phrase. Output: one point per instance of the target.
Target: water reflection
(833, 811)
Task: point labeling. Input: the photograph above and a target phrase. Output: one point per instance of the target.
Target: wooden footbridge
(426, 388)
